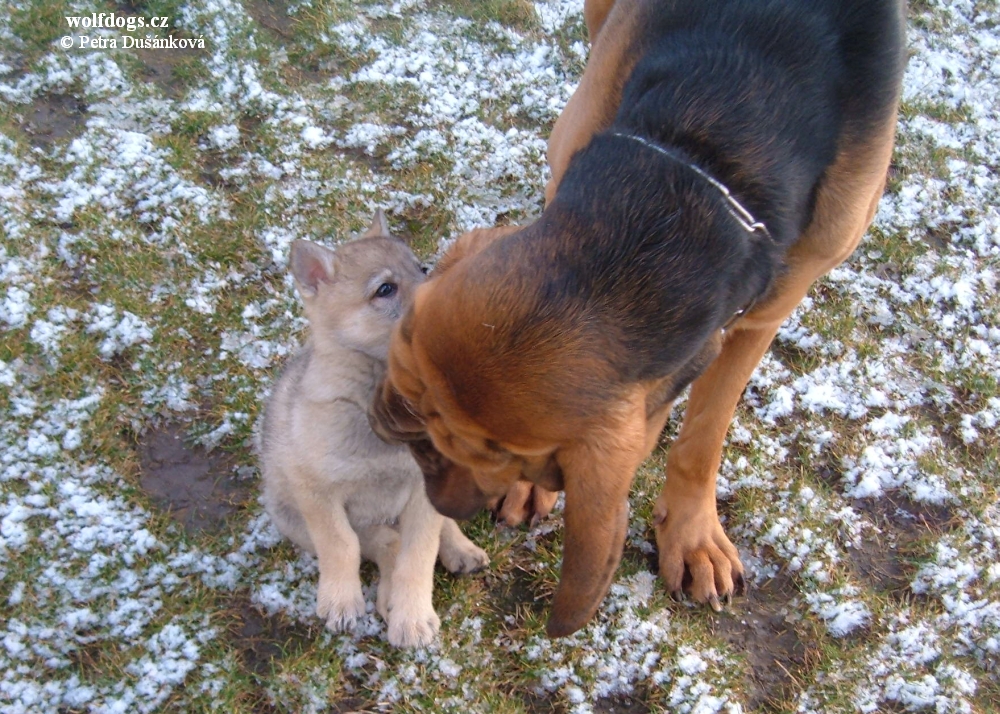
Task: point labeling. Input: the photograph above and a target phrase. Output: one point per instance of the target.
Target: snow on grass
(142, 279)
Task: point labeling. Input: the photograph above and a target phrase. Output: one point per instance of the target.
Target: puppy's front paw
(412, 624)
(340, 604)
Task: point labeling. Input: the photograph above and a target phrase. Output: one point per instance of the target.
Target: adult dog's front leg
(524, 502)
(688, 532)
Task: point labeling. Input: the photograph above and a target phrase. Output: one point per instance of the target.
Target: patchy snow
(881, 388)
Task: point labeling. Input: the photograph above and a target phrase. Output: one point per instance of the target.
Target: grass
(38, 23)
(82, 535)
(517, 14)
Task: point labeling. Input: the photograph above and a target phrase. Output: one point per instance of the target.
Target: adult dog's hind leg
(595, 12)
(595, 101)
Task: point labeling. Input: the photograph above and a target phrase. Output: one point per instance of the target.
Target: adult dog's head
(491, 379)
(448, 394)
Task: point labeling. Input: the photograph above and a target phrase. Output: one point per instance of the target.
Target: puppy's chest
(381, 490)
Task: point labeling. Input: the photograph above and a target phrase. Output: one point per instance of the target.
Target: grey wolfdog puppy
(330, 484)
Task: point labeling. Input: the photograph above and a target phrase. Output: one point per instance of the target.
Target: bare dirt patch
(882, 568)
(279, 27)
(884, 560)
(537, 704)
(53, 117)
(215, 162)
(906, 517)
(162, 67)
(518, 597)
(621, 705)
(351, 705)
(756, 626)
(262, 640)
(92, 659)
(165, 68)
(212, 166)
(198, 489)
(359, 155)
(273, 16)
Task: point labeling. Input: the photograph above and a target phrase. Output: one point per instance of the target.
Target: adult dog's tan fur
(543, 414)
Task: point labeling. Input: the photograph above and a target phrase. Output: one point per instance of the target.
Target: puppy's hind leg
(459, 554)
(412, 620)
(380, 544)
(284, 513)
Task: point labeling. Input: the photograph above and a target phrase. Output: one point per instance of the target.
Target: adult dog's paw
(691, 540)
(524, 502)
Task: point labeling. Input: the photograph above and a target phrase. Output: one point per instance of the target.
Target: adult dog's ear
(469, 244)
(597, 478)
(393, 418)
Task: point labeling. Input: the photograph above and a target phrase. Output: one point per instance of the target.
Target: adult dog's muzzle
(451, 488)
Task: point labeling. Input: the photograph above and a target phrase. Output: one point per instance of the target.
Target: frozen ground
(147, 200)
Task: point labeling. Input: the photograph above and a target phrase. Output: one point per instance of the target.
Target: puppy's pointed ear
(311, 265)
(379, 226)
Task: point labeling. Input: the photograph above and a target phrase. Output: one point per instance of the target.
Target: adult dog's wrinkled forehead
(396, 416)
(415, 391)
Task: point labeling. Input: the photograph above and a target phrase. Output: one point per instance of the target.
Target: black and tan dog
(717, 158)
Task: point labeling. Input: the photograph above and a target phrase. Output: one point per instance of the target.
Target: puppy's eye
(425, 269)
(385, 290)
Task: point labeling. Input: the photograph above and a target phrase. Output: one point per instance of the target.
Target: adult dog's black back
(759, 94)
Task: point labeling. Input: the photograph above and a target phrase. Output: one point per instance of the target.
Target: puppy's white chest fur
(317, 424)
